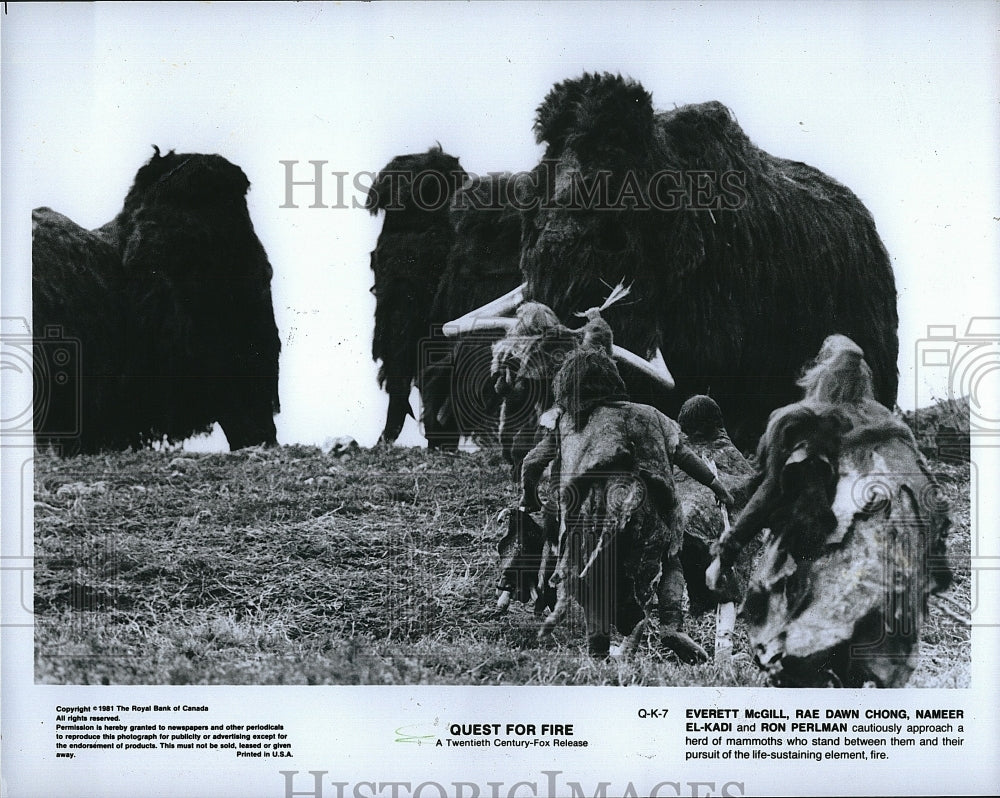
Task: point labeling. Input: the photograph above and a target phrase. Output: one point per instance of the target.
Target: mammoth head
(602, 118)
(188, 180)
(421, 183)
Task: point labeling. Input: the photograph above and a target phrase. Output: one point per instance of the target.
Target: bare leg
(671, 593)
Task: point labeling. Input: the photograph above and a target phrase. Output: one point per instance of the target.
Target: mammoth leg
(440, 426)
(445, 441)
(398, 389)
(242, 432)
(249, 418)
(695, 559)
(440, 429)
(671, 595)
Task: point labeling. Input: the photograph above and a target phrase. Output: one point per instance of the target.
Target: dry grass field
(288, 566)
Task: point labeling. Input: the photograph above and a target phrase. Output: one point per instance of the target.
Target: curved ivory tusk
(504, 601)
(657, 362)
(491, 316)
(656, 371)
(501, 306)
(468, 323)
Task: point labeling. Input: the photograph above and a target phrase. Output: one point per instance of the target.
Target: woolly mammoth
(456, 388)
(740, 262)
(166, 310)
(445, 247)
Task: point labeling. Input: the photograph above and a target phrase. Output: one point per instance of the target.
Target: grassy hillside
(288, 566)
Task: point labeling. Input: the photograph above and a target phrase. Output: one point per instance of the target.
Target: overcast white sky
(899, 101)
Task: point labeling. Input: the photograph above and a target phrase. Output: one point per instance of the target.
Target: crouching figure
(856, 541)
(701, 422)
(619, 539)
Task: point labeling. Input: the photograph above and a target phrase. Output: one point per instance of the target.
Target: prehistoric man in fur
(856, 541)
(619, 530)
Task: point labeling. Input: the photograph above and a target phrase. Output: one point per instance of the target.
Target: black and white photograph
(500, 399)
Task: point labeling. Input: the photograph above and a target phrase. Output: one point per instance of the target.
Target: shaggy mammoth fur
(457, 389)
(166, 311)
(741, 262)
(446, 247)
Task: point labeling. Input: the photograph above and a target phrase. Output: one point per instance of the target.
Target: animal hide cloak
(852, 616)
(619, 512)
(701, 517)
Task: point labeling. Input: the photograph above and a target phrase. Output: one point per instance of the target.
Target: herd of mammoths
(653, 266)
